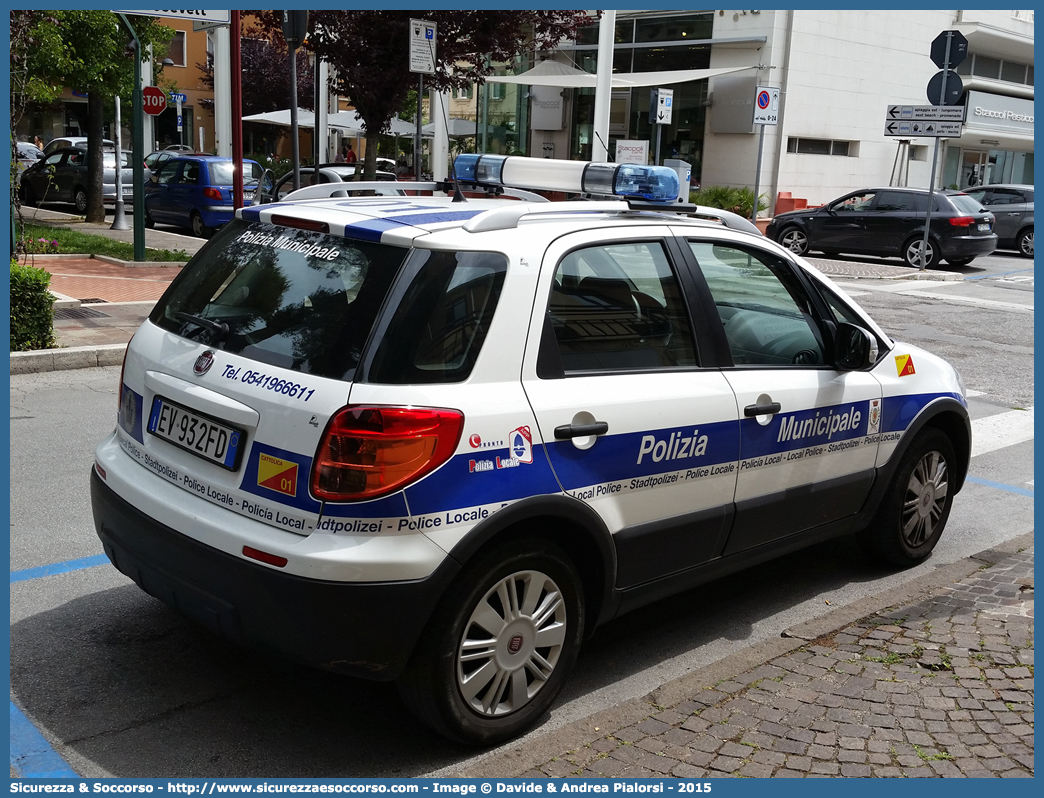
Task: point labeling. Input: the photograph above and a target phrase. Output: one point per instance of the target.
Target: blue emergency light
(654, 183)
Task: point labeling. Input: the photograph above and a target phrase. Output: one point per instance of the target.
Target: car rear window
(965, 203)
(296, 299)
(221, 173)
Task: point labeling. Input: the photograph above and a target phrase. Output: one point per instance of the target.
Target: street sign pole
(766, 112)
(423, 43)
(935, 160)
(137, 145)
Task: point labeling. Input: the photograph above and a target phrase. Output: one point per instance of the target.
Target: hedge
(32, 317)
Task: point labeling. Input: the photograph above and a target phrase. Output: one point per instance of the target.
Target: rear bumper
(968, 246)
(367, 629)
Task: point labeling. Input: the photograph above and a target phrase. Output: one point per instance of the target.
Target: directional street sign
(217, 17)
(937, 113)
(664, 106)
(422, 46)
(906, 129)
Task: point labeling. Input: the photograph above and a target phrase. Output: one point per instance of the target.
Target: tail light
(962, 221)
(212, 193)
(367, 452)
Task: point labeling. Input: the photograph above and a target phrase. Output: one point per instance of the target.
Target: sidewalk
(932, 679)
(102, 302)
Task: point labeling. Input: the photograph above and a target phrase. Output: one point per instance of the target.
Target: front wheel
(916, 504)
(795, 239)
(912, 253)
(80, 200)
(499, 646)
(1024, 244)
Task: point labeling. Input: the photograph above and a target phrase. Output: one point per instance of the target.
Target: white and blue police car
(439, 442)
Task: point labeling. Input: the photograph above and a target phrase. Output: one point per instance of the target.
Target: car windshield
(291, 298)
(221, 173)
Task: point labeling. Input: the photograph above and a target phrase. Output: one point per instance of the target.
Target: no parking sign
(766, 106)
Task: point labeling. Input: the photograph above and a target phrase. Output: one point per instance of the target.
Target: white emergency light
(655, 183)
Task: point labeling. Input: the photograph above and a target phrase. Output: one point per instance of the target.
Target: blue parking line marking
(58, 568)
(31, 755)
(1000, 274)
(1000, 486)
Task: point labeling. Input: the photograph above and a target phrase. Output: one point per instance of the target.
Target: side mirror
(154, 177)
(854, 348)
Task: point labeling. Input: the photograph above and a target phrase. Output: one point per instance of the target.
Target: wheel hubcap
(915, 251)
(511, 643)
(794, 241)
(1027, 244)
(926, 496)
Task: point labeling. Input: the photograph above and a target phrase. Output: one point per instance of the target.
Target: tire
(149, 221)
(199, 230)
(482, 693)
(29, 194)
(1024, 243)
(80, 199)
(912, 252)
(960, 261)
(795, 239)
(916, 504)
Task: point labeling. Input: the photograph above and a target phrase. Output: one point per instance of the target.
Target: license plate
(196, 433)
(984, 228)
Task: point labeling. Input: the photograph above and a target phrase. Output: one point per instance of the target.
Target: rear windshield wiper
(218, 327)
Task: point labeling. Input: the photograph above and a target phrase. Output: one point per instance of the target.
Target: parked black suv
(890, 222)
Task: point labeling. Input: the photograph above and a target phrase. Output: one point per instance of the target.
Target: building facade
(837, 72)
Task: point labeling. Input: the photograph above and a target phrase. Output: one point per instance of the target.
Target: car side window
(618, 307)
(75, 158)
(1006, 196)
(857, 202)
(768, 318)
(901, 201)
(53, 160)
(190, 174)
(166, 172)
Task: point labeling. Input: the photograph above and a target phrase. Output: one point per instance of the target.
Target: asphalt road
(122, 686)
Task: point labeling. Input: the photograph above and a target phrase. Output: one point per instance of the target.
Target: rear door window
(443, 309)
(297, 299)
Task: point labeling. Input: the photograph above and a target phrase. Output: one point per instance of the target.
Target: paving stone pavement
(938, 687)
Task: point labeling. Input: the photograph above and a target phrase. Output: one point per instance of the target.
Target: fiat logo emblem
(203, 363)
(515, 644)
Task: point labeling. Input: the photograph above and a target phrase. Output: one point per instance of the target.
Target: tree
(266, 81)
(369, 51)
(88, 51)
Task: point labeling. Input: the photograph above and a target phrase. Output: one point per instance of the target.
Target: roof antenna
(458, 195)
(610, 158)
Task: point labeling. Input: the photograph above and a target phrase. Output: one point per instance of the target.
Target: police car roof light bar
(652, 183)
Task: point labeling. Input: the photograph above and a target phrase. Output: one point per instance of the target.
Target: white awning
(566, 77)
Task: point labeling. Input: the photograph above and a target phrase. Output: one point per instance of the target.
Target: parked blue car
(196, 191)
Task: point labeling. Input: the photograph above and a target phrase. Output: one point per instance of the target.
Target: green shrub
(737, 200)
(32, 318)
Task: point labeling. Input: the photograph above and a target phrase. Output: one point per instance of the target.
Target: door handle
(567, 431)
(761, 410)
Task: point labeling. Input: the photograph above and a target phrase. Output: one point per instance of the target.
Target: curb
(130, 264)
(73, 357)
(523, 756)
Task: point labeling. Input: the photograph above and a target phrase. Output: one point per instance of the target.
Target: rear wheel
(199, 229)
(1024, 243)
(500, 645)
(916, 504)
(912, 253)
(80, 199)
(795, 239)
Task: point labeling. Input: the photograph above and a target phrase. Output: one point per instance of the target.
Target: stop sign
(154, 100)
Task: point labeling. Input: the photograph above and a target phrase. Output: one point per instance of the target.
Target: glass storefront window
(674, 29)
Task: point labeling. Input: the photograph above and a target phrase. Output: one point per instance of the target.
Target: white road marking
(917, 290)
(1004, 429)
